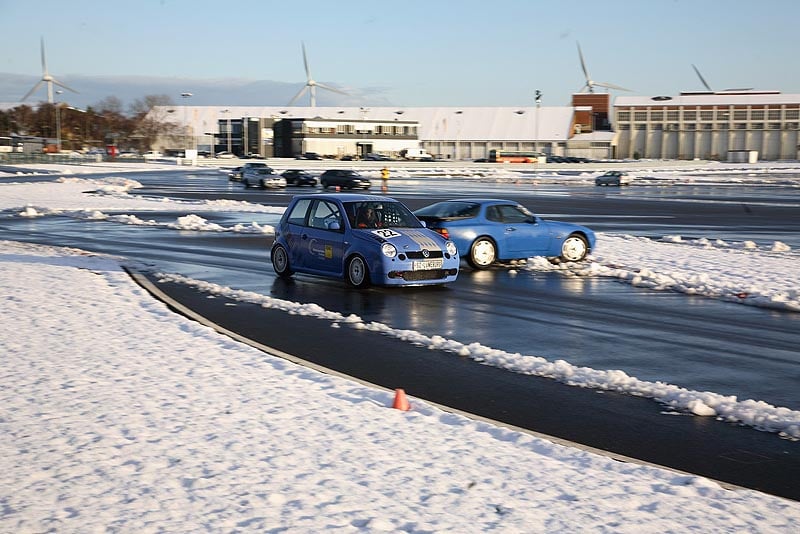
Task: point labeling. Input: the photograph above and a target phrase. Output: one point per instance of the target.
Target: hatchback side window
(324, 215)
(298, 213)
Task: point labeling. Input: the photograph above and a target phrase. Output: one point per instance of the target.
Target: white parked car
(263, 177)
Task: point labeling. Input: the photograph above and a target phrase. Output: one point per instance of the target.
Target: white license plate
(427, 265)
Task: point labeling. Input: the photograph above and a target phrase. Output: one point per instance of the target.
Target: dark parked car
(364, 239)
(617, 178)
(299, 177)
(489, 230)
(344, 178)
(235, 174)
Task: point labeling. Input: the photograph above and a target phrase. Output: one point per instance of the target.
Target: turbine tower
(591, 84)
(48, 79)
(311, 85)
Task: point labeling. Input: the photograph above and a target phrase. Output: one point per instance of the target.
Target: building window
(740, 115)
(757, 115)
(707, 115)
(791, 125)
(624, 127)
(657, 126)
(640, 116)
(624, 116)
(672, 115)
(757, 126)
(707, 126)
(740, 126)
(656, 115)
(689, 115)
(774, 114)
(722, 126)
(723, 115)
(690, 126)
(640, 127)
(792, 114)
(774, 126)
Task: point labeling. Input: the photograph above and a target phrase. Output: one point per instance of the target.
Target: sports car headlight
(451, 248)
(389, 250)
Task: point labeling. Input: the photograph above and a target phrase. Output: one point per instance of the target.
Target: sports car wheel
(482, 253)
(280, 262)
(574, 248)
(357, 275)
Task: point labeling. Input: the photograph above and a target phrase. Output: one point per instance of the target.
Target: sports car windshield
(450, 210)
(371, 214)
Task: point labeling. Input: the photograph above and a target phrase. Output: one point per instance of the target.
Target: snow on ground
(121, 416)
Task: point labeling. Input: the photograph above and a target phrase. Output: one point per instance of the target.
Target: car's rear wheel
(482, 253)
(356, 273)
(574, 248)
(280, 262)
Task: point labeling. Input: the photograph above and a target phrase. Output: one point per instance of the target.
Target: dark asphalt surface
(622, 425)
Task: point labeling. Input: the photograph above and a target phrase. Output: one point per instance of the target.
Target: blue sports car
(489, 230)
(364, 239)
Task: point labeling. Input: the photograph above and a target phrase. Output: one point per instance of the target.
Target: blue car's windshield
(373, 214)
(450, 210)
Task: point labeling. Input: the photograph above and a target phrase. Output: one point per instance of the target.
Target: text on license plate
(427, 265)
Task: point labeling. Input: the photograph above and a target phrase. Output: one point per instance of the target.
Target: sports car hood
(405, 239)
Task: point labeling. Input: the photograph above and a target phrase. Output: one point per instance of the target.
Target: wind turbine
(591, 84)
(48, 79)
(311, 85)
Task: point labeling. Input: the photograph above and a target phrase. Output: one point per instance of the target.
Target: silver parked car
(614, 178)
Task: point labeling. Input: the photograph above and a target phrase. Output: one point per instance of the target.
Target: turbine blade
(298, 95)
(333, 89)
(610, 86)
(305, 63)
(35, 87)
(44, 60)
(64, 86)
(583, 65)
(703, 80)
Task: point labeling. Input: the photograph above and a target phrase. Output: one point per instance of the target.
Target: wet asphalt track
(694, 342)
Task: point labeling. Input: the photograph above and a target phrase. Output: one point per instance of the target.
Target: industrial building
(725, 126)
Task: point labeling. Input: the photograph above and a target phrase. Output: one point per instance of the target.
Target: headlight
(389, 250)
(451, 248)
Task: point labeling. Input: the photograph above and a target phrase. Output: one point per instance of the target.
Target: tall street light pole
(538, 95)
(186, 97)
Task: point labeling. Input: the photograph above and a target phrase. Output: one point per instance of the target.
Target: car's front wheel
(574, 248)
(280, 262)
(357, 274)
(482, 253)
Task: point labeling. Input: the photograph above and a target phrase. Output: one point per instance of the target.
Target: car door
(322, 240)
(295, 228)
(523, 236)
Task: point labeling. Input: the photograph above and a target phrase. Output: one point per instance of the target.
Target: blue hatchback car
(490, 230)
(365, 239)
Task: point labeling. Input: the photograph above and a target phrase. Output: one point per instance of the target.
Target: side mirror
(424, 224)
(334, 226)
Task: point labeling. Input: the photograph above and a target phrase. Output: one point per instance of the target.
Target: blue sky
(416, 53)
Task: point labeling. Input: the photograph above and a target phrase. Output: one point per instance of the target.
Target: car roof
(484, 200)
(348, 197)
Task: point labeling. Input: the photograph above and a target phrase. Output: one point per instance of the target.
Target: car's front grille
(417, 254)
(435, 274)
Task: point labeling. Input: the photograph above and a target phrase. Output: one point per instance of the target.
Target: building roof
(435, 123)
(719, 98)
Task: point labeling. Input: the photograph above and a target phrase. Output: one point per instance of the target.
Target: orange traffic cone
(400, 401)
